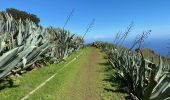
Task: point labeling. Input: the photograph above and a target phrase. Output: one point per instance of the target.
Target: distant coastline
(159, 46)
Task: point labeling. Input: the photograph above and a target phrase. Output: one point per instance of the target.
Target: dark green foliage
(18, 14)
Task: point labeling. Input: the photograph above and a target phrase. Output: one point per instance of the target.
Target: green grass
(56, 88)
(31, 80)
(110, 89)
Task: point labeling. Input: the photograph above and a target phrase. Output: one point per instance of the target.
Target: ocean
(158, 45)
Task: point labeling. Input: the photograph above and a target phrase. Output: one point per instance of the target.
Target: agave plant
(144, 79)
(23, 43)
(142, 76)
(66, 42)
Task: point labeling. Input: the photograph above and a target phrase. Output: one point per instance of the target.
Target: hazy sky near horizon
(110, 16)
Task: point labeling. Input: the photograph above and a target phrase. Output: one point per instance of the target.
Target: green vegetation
(56, 88)
(62, 84)
(26, 46)
(143, 79)
(29, 81)
(111, 88)
(22, 15)
(115, 73)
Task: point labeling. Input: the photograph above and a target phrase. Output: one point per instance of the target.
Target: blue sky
(110, 15)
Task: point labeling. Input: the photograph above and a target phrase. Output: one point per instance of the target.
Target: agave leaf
(159, 72)
(19, 37)
(7, 56)
(24, 61)
(162, 90)
(14, 62)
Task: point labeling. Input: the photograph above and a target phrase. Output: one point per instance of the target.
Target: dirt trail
(85, 84)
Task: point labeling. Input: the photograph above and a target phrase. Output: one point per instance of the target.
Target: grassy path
(84, 85)
(79, 81)
(82, 79)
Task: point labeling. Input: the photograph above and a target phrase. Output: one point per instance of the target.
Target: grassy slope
(148, 53)
(31, 80)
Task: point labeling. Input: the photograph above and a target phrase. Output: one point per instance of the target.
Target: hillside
(149, 53)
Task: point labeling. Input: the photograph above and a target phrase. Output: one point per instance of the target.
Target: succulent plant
(144, 79)
(23, 43)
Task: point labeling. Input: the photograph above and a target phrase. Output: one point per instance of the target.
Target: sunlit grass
(29, 81)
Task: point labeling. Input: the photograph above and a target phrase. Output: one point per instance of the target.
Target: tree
(18, 14)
